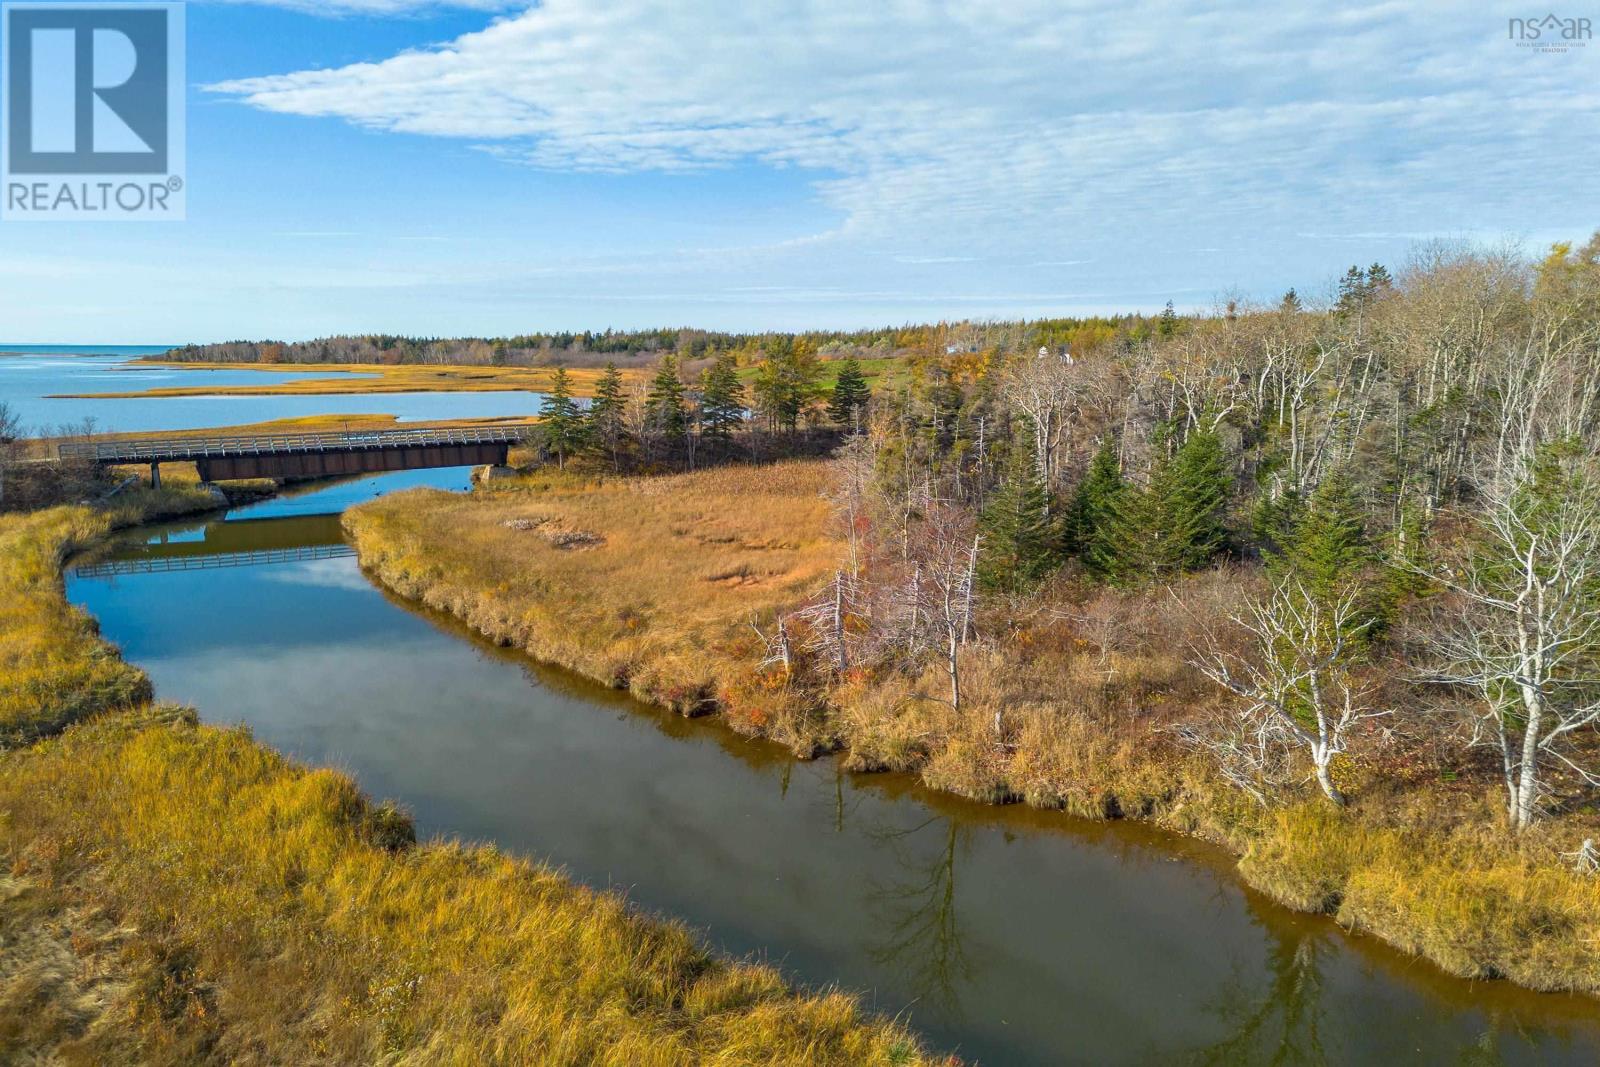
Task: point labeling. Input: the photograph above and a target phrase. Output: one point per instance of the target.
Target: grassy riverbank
(365, 379)
(177, 893)
(660, 584)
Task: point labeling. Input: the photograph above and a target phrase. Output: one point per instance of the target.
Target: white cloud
(1036, 124)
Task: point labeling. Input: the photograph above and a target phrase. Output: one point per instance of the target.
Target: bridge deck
(178, 449)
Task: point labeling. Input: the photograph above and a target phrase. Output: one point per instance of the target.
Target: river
(1003, 934)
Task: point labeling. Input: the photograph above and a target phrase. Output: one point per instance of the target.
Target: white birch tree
(1296, 685)
(1523, 629)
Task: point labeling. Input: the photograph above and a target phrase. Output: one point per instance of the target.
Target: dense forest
(635, 348)
(1402, 484)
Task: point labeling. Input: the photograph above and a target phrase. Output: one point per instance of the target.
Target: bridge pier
(155, 476)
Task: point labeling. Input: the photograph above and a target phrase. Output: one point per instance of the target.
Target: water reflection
(920, 935)
(1276, 1021)
(1009, 935)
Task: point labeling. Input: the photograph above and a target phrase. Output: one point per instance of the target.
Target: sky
(486, 168)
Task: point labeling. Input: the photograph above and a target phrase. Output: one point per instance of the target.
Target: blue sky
(383, 165)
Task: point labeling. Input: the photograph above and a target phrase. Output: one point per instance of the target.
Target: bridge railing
(163, 449)
(243, 558)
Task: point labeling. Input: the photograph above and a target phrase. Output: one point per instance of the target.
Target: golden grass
(54, 668)
(341, 378)
(181, 894)
(281, 918)
(664, 603)
(650, 584)
(319, 424)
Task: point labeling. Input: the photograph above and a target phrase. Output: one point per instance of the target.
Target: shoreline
(164, 834)
(1380, 887)
(381, 378)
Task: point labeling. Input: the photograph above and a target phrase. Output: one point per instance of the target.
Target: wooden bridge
(306, 455)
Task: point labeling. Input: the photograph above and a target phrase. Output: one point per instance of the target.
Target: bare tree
(10, 431)
(1523, 631)
(1297, 683)
(1045, 388)
(1585, 858)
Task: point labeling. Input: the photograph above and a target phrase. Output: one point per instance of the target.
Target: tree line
(1404, 475)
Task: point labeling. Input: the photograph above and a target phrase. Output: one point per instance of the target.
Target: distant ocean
(83, 350)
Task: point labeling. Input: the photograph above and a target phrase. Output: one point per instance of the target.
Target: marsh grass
(174, 893)
(281, 921)
(372, 379)
(1087, 687)
(650, 584)
(54, 667)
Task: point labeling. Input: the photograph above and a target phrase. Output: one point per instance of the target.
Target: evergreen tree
(607, 413)
(666, 415)
(1092, 512)
(563, 423)
(1176, 524)
(1274, 521)
(1330, 541)
(1167, 325)
(850, 394)
(1378, 280)
(1290, 302)
(786, 381)
(722, 400)
(1355, 291)
(1018, 545)
(1191, 494)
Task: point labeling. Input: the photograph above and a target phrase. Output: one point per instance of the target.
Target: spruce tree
(1127, 551)
(607, 413)
(1354, 292)
(1330, 541)
(722, 400)
(665, 412)
(1167, 325)
(850, 394)
(563, 423)
(1190, 494)
(1275, 519)
(786, 381)
(1018, 542)
(1092, 512)
(1177, 523)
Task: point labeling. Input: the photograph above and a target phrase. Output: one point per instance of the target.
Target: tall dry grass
(54, 668)
(175, 893)
(649, 584)
(1087, 687)
(270, 914)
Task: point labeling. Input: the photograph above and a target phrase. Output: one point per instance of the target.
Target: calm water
(29, 379)
(1007, 935)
